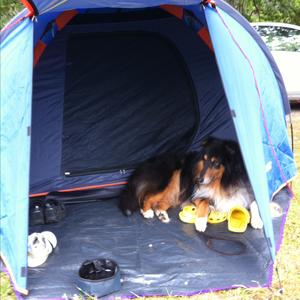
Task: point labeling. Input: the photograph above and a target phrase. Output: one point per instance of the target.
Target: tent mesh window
(128, 96)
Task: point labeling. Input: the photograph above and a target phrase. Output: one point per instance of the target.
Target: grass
(8, 9)
(6, 291)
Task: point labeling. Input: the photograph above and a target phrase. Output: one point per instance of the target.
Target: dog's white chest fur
(227, 199)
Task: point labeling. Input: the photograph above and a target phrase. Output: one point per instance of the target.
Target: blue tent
(91, 88)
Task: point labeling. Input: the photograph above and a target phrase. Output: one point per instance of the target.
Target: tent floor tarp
(154, 258)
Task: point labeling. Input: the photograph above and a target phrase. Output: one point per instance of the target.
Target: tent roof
(42, 6)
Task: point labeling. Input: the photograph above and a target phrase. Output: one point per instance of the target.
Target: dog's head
(220, 161)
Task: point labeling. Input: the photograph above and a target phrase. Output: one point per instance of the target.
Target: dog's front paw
(201, 224)
(162, 215)
(256, 222)
(148, 214)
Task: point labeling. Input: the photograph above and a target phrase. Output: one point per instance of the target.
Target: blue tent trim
(15, 148)
(231, 74)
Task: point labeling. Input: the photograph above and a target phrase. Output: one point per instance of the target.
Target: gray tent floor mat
(154, 258)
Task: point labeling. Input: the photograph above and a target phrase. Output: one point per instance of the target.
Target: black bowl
(99, 277)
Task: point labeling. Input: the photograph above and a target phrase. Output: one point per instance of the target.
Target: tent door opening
(128, 96)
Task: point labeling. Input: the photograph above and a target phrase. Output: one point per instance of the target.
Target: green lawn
(8, 9)
(6, 291)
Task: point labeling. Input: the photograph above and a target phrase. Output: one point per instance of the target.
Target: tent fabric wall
(16, 91)
(47, 117)
(250, 83)
(55, 8)
(243, 100)
(262, 74)
(41, 25)
(130, 110)
(234, 14)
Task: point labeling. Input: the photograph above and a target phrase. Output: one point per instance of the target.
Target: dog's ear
(210, 140)
(231, 147)
(203, 143)
(235, 169)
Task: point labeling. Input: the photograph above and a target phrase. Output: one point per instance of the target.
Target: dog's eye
(216, 165)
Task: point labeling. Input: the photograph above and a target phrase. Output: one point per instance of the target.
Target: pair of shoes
(238, 217)
(188, 215)
(46, 211)
(40, 245)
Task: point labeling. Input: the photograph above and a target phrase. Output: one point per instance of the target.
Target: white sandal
(50, 236)
(40, 245)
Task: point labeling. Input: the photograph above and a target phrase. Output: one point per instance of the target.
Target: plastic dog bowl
(99, 277)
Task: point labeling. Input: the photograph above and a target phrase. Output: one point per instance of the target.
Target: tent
(91, 88)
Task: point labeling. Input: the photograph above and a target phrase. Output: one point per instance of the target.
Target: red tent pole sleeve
(174, 10)
(32, 10)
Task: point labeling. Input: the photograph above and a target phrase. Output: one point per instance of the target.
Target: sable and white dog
(222, 183)
(160, 183)
(214, 177)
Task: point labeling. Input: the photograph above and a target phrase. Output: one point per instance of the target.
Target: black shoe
(36, 213)
(54, 211)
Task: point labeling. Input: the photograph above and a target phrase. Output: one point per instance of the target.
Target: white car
(284, 43)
